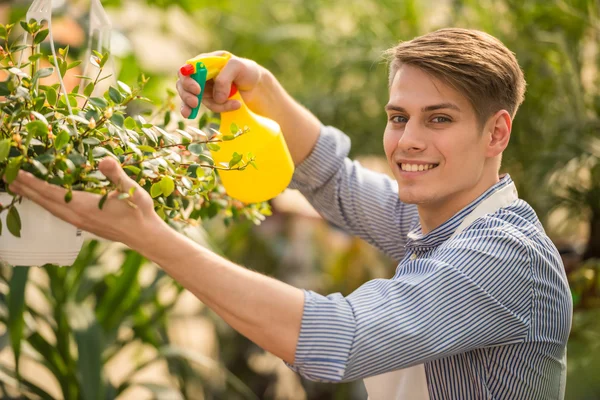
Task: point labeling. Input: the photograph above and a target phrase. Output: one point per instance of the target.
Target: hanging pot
(44, 239)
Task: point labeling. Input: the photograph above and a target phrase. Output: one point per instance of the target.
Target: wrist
(153, 234)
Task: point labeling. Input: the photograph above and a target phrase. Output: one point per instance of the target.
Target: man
(479, 306)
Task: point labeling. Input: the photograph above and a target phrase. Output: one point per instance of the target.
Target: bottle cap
(187, 70)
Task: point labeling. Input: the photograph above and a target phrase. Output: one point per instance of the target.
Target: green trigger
(200, 77)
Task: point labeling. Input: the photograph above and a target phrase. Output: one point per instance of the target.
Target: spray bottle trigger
(200, 77)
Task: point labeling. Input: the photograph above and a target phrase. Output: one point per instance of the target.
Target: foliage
(95, 315)
(62, 137)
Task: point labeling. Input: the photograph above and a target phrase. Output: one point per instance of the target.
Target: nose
(412, 139)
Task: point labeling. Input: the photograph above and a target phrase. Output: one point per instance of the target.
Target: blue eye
(441, 119)
(398, 119)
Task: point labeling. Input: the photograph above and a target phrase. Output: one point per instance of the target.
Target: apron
(411, 383)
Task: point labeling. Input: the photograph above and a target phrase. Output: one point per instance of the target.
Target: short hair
(474, 63)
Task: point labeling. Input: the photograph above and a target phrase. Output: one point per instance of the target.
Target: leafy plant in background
(62, 137)
(95, 314)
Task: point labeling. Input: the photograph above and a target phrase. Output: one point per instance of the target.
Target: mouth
(416, 168)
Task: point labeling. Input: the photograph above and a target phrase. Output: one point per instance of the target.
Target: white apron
(411, 383)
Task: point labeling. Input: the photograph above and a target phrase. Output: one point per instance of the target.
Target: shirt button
(413, 256)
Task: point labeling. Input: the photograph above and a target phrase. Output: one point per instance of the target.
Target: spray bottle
(274, 165)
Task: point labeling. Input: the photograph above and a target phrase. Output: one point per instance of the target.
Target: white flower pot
(44, 239)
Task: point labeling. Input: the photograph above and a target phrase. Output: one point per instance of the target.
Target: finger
(230, 105)
(34, 185)
(223, 81)
(185, 84)
(114, 173)
(185, 111)
(65, 211)
(190, 100)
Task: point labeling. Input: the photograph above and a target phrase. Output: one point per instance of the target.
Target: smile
(416, 167)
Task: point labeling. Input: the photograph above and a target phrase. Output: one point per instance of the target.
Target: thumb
(114, 173)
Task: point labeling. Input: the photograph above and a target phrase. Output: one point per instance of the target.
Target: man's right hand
(262, 93)
(246, 74)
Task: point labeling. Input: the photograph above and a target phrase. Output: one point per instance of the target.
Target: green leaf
(89, 89)
(40, 36)
(51, 96)
(73, 64)
(12, 169)
(124, 87)
(253, 164)
(62, 67)
(228, 137)
(42, 73)
(61, 140)
(235, 159)
(168, 185)
(40, 167)
(234, 128)
(213, 147)
(25, 26)
(16, 308)
(68, 196)
(115, 95)
(90, 344)
(4, 90)
(156, 190)
(103, 60)
(203, 121)
(192, 170)
(135, 170)
(196, 148)
(13, 222)
(118, 120)
(92, 141)
(146, 148)
(37, 129)
(98, 102)
(130, 123)
(4, 149)
(206, 159)
(102, 201)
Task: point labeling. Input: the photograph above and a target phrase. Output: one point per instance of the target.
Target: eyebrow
(451, 106)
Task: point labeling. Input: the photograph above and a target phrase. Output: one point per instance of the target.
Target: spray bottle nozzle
(187, 70)
(202, 69)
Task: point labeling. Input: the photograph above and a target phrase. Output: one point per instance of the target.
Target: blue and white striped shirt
(487, 311)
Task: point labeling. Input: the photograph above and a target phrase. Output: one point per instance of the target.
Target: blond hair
(474, 63)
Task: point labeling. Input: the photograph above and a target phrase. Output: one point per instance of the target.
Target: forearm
(266, 311)
(299, 126)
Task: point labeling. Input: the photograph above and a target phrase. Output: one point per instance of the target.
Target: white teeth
(416, 167)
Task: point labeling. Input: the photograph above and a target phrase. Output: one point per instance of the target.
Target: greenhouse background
(157, 340)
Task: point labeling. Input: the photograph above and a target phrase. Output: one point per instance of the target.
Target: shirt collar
(443, 232)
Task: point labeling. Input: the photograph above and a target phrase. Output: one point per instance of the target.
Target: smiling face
(440, 154)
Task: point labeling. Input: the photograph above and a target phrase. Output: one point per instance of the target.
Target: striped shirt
(487, 311)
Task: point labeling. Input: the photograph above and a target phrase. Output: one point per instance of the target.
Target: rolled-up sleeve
(432, 308)
(361, 202)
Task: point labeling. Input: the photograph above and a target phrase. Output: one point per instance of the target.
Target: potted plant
(61, 137)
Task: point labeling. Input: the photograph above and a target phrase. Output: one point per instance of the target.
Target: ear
(499, 127)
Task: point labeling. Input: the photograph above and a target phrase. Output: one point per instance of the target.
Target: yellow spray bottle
(263, 140)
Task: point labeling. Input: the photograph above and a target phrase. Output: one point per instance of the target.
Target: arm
(431, 309)
(265, 310)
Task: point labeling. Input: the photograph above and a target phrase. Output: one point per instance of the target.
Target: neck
(432, 215)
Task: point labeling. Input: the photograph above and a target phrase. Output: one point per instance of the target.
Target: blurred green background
(154, 340)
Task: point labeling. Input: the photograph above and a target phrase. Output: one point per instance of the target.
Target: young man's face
(433, 142)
